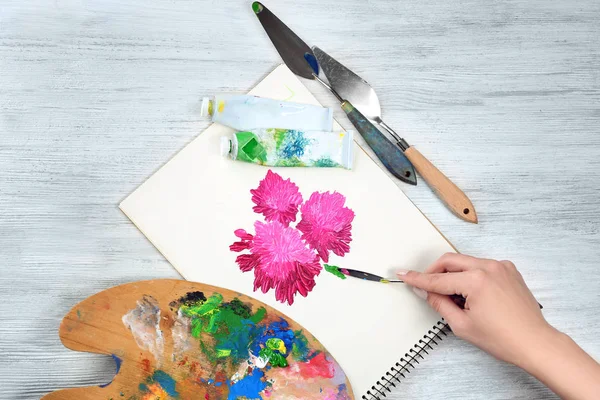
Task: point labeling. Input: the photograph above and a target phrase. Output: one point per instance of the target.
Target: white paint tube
(245, 112)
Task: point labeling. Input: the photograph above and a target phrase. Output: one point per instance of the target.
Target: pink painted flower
(277, 199)
(279, 258)
(326, 224)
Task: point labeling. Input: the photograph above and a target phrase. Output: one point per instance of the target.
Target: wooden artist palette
(174, 339)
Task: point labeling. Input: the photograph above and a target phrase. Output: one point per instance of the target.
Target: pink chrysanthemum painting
(287, 258)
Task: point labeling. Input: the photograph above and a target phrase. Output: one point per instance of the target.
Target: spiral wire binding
(407, 363)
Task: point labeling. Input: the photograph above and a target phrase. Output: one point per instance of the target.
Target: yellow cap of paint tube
(207, 107)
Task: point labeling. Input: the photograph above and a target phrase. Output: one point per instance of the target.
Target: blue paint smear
(165, 381)
(277, 329)
(239, 340)
(312, 61)
(249, 387)
(293, 145)
(118, 363)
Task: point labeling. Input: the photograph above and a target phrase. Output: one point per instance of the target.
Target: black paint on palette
(190, 299)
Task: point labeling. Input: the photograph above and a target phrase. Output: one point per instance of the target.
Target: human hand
(501, 316)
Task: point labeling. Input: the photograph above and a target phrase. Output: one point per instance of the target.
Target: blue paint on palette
(118, 363)
(277, 329)
(249, 387)
(165, 381)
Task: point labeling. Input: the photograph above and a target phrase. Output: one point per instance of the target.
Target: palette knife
(356, 90)
(300, 59)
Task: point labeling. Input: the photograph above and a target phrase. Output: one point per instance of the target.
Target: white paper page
(190, 208)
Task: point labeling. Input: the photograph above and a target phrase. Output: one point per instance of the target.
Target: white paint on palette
(181, 334)
(144, 324)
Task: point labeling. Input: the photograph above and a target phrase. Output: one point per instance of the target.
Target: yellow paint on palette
(155, 392)
(276, 344)
(221, 106)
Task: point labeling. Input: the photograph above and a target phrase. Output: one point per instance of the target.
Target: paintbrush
(367, 276)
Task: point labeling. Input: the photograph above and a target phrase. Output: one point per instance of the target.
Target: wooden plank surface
(503, 97)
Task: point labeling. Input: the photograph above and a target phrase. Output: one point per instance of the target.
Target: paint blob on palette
(181, 340)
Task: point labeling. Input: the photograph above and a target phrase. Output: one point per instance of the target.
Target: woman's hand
(502, 317)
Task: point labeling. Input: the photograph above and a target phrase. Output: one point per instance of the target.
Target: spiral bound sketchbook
(274, 233)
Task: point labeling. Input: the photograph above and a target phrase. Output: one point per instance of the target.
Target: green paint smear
(279, 136)
(275, 344)
(325, 163)
(257, 7)
(300, 347)
(231, 325)
(332, 269)
(290, 162)
(276, 359)
(223, 353)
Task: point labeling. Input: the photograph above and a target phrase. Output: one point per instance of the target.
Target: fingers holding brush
(454, 262)
(441, 283)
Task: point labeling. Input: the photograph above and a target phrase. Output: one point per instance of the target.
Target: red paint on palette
(318, 366)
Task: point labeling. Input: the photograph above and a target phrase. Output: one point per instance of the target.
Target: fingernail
(420, 292)
(402, 272)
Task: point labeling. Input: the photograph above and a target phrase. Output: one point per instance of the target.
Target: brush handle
(390, 155)
(444, 188)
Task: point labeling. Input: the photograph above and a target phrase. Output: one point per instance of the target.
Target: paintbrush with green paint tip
(342, 273)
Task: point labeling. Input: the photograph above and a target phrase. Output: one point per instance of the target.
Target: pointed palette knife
(300, 59)
(355, 89)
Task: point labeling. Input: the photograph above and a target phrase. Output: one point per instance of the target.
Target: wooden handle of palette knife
(444, 188)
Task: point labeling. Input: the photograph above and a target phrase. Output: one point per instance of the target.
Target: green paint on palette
(276, 359)
(229, 323)
(332, 269)
(300, 348)
(223, 353)
(257, 7)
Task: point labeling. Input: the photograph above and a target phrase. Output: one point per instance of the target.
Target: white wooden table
(503, 96)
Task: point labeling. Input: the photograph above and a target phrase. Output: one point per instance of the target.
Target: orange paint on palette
(146, 365)
(183, 361)
(194, 367)
(155, 392)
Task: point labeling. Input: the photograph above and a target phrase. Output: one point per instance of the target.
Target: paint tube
(245, 112)
(291, 148)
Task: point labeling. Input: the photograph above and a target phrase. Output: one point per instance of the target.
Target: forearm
(557, 361)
